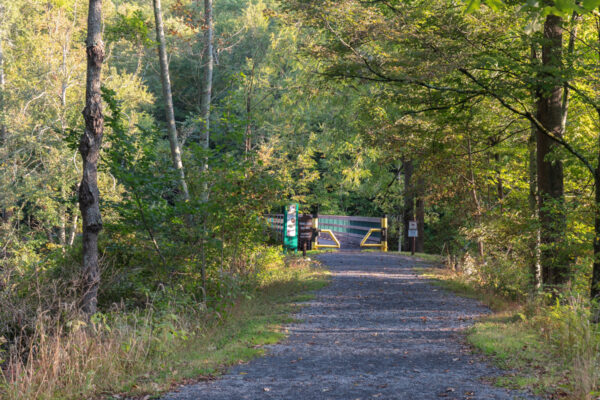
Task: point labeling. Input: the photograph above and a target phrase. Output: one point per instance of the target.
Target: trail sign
(413, 232)
(290, 227)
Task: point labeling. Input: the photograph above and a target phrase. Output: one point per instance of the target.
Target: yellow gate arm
(328, 246)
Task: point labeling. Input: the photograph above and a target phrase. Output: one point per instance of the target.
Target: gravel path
(378, 331)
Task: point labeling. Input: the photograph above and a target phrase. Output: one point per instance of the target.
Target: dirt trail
(378, 331)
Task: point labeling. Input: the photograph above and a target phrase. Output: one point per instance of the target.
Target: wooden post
(412, 246)
(315, 228)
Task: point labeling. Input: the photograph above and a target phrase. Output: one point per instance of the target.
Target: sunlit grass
(433, 258)
(519, 349)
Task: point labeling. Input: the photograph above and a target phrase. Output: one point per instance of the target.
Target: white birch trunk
(168, 95)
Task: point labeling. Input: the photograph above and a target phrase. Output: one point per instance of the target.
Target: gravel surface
(379, 331)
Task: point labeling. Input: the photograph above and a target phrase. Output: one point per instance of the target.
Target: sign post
(413, 232)
(290, 227)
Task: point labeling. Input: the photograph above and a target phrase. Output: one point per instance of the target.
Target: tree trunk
(553, 259)
(499, 182)
(409, 200)
(595, 284)
(168, 96)
(89, 147)
(249, 93)
(73, 231)
(534, 244)
(2, 96)
(576, 19)
(206, 96)
(420, 241)
(205, 101)
(476, 201)
(534, 263)
(62, 227)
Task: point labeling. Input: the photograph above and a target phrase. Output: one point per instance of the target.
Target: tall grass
(567, 326)
(139, 352)
(80, 358)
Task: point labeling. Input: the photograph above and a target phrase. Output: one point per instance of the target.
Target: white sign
(413, 233)
(291, 221)
(412, 225)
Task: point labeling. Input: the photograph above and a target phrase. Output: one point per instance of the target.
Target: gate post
(314, 228)
(384, 233)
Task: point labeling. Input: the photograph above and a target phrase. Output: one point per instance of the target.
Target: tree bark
(2, 96)
(576, 19)
(408, 213)
(89, 147)
(205, 101)
(534, 244)
(249, 93)
(62, 227)
(553, 260)
(73, 231)
(206, 95)
(499, 182)
(476, 201)
(420, 241)
(595, 284)
(168, 97)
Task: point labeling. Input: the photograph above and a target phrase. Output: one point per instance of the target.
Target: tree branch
(529, 116)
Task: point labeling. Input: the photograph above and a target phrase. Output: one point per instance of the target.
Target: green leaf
(495, 5)
(590, 4)
(473, 6)
(565, 6)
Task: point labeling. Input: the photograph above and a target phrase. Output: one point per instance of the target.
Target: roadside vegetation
(166, 343)
(547, 345)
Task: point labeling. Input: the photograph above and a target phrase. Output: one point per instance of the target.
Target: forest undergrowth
(545, 344)
(153, 348)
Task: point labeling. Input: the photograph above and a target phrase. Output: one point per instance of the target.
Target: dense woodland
(479, 119)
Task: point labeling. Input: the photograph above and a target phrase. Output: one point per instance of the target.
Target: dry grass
(84, 358)
(149, 352)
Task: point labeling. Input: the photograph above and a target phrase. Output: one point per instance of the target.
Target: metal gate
(335, 231)
(351, 232)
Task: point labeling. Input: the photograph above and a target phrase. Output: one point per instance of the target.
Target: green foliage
(132, 27)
